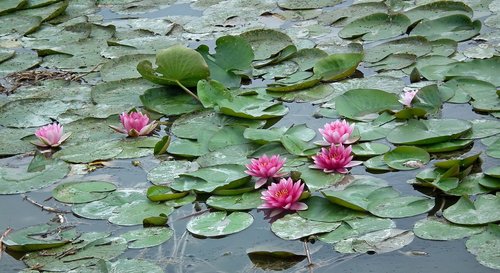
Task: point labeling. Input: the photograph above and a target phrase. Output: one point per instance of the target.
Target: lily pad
(266, 42)
(246, 201)
(317, 180)
(219, 223)
(472, 185)
(132, 265)
(320, 209)
(168, 170)
(169, 101)
(434, 228)
(480, 211)
(88, 152)
(400, 207)
(381, 241)
(485, 246)
(147, 237)
(82, 191)
(355, 228)
(376, 26)
(368, 149)
(293, 227)
(365, 104)
(406, 158)
(337, 66)
(133, 213)
(456, 27)
(428, 131)
(479, 69)
(39, 237)
(437, 9)
(493, 172)
(417, 46)
(252, 108)
(103, 209)
(123, 67)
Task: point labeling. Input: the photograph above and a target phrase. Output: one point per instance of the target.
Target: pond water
(185, 252)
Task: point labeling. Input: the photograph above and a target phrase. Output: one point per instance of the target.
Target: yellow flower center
(281, 193)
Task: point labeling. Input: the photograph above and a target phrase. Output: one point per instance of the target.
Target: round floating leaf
(11, 143)
(376, 26)
(123, 67)
(12, 5)
(82, 192)
(252, 108)
(482, 211)
(163, 193)
(406, 158)
(437, 9)
(456, 27)
(365, 104)
(168, 170)
(31, 112)
(486, 246)
(176, 64)
(433, 228)
(169, 101)
(417, 46)
(147, 237)
(132, 265)
(274, 258)
(447, 146)
(316, 179)
(188, 199)
(480, 69)
(301, 5)
(400, 207)
(320, 209)
(493, 172)
(482, 128)
(337, 66)
(472, 185)
(211, 92)
(246, 201)
(356, 227)
(39, 237)
(358, 192)
(89, 151)
(377, 163)
(369, 149)
(219, 223)
(381, 241)
(428, 131)
(266, 42)
(493, 150)
(292, 227)
(13, 181)
(103, 209)
(133, 213)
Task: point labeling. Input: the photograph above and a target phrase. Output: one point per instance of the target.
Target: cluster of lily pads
(213, 114)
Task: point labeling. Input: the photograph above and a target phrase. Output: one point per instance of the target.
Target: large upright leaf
(175, 64)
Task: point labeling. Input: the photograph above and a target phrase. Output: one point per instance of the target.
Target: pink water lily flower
(135, 124)
(337, 132)
(264, 168)
(283, 196)
(407, 96)
(337, 158)
(51, 135)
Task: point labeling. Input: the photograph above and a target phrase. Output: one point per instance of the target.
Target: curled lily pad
(219, 223)
(292, 227)
(82, 192)
(266, 42)
(337, 66)
(176, 64)
(480, 211)
(163, 193)
(39, 237)
(406, 158)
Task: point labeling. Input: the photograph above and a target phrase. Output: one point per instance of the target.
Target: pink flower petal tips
(51, 135)
(135, 124)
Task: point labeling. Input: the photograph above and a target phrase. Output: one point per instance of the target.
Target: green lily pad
(320, 209)
(481, 211)
(12, 5)
(437, 9)
(355, 228)
(493, 172)
(211, 92)
(176, 64)
(168, 170)
(316, 179)
(39, 237)
(352, 12)
(133, 213)
(393, 62)
(472, 185)
(169, 101)
(462, 161)
(456, 27)
(400, 207)
(103, 209)
(368, 149)
(219, 223)
(31, 112)
(434, 228)
(381, 241)
(266, 42)
(446, 146)
(359, 192)
(274, 258)
(406, 158)
(482, 128)
(377, 163)
(252, 108)
(147, 237)
(132, 265)
(417, 46)
(158, 193)
(376, 26)
(337, 66)
(82, 191)
(485, 246)
(11, 143)
(428, 131)
(17, 180)
(245, 201)
(479, 69)
(365, 104)
(88, 152)
(123, 67)
(292, 227)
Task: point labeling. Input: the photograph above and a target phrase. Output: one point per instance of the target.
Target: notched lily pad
(219, 223)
